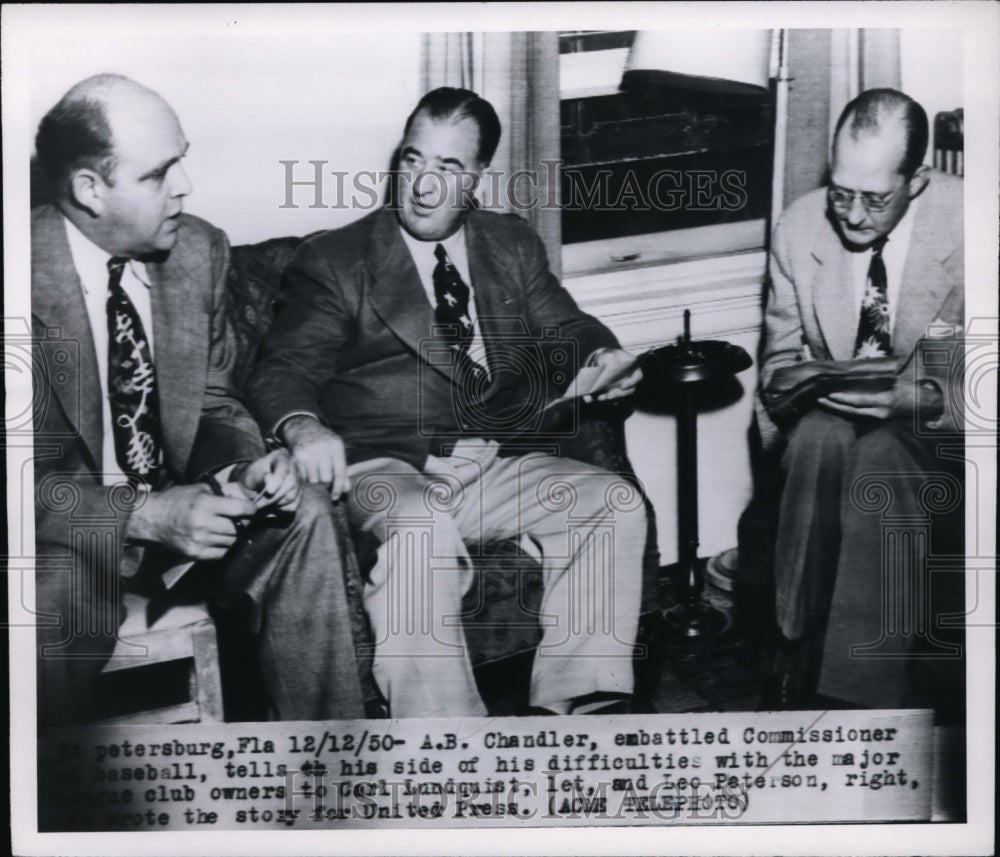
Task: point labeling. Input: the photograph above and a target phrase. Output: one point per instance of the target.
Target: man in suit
(866, 269)
(405, 347)
(145, 459)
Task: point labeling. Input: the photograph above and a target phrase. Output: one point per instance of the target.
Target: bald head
(894, 119)
(878, 152)
(79, 132)
(112, 149)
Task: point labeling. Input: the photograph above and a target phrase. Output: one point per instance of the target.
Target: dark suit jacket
(204, 425)
(811, 298)
(351, 340)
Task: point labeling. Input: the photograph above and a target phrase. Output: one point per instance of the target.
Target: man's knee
(315, 507)
(385, 488)
(884, 448)
(624, 503)
(584, 490)
(907, 476)
(819, 436)
(621, 500)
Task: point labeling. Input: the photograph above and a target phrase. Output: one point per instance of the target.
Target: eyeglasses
(842, 199)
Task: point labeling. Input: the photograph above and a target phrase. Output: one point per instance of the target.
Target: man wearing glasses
(860, 272)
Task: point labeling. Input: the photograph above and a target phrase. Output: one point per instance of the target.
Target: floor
(726, 673)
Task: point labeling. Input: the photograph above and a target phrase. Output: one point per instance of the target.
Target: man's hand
(190, 520)
(623, 370)
(272, 481)
(318, 453)
(898, 403)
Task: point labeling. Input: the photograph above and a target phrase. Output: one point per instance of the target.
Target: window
(658, 169)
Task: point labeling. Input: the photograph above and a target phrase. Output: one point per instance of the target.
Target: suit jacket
(204, 425)
(352, 338)
(811, 298)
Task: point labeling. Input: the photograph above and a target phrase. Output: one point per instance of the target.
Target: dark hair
(868, 111)
(448, 102)
(74, 134)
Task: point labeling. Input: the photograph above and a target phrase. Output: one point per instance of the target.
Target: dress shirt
(425, 260)
(91, 263)
(894, 257)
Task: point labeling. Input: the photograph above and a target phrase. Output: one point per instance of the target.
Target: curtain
(827, 69)
(518, 73)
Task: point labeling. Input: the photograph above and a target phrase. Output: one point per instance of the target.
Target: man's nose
(180, 184)
(428, 183)
(856, 212)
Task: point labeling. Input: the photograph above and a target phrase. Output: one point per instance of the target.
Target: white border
(23, 24)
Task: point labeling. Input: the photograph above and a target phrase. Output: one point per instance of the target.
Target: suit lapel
(398, 296)
(181, 333)
(396, 293)
(925, 284)
(833, 293)
(497, 306)
(57, 301)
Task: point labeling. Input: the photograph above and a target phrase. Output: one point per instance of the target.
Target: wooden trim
(172, 644)
(186, 712)
(208, 673)
(661, 248)
(644, 306)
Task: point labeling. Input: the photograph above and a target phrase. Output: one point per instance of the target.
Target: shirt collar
(424, 250)
(87, 256)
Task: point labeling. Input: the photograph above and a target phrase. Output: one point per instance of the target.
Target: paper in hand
(594, 380)
(175, 573)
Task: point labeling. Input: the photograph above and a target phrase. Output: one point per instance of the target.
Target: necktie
(874, 337)
(135, 406)
(452, 314)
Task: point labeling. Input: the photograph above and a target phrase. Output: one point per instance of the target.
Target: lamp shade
(733, 62)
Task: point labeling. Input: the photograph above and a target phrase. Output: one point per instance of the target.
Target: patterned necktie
(874, 337)
(135, 406)
(452, 313)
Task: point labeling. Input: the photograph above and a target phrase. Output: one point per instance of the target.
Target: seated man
(392, 370)
(142, 430)
(867, 268)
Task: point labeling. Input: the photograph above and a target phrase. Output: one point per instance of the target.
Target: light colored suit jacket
(353, 325)
(811, 298)
(204, 425)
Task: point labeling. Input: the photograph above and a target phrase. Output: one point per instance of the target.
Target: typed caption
(638, 770)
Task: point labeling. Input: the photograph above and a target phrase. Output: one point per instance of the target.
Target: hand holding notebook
(795, 390)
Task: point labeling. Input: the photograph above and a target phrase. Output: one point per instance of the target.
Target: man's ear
(919, 181)
(86, 190)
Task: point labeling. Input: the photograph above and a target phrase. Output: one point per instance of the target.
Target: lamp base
(706, 617)
(696, 622)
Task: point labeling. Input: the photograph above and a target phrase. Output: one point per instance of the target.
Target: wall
(247, 101)
(931, 69)
(644, 307)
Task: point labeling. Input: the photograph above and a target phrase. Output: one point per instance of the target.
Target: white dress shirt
(91, 263)
(894, 257)
(425, 260)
